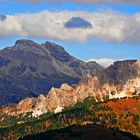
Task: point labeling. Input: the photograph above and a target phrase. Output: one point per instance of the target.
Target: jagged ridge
(66, 96)
(28, 69)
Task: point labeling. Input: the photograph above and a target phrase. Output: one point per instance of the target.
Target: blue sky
(92, 47)
(10, 7)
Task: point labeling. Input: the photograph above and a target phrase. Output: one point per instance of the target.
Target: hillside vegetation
(118, 114)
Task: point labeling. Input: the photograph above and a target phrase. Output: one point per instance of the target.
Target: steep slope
(66, 96)
(119, 115)
(93, 86)
(120, 72)
(28, 69)
(109, 104)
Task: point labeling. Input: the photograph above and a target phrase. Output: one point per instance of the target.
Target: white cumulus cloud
(107, 25)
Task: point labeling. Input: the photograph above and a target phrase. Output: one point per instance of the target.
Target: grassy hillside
(123, 114)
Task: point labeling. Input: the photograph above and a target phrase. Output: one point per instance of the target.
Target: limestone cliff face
(36, 105)
(97, 87)
(61, 98)
(120, 72)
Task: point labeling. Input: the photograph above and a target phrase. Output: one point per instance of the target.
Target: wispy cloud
(108, 26)
(105, 62)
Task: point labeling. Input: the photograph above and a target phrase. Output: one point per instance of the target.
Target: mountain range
(28, 69)
(73, 93)
(122, 79)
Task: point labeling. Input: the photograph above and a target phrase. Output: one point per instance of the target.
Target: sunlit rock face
(63, 97)
(121, 79)
(29, 69)
(91, 86)
(35, 105)
(58, 109)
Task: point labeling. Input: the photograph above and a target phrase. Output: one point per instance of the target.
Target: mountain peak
(119, 72)
(25, 42)
(52, 46)
(57, 51)
(48, 43)
(34, 68)
(125, 62)
(27, 46)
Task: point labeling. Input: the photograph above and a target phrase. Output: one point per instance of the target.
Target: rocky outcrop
(66, 96)
(119, 72)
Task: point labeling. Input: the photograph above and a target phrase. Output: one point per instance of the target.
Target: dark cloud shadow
(2, 17)
(77, 22)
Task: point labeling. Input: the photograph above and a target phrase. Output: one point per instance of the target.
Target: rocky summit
(29, 69)
(126, 86)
